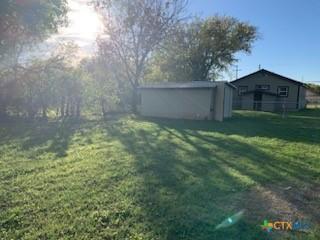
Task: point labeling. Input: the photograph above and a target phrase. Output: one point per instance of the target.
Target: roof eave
(272, 73)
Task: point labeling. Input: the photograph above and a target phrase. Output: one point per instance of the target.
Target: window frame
(241, 92)
(262, 89)
(287, 92)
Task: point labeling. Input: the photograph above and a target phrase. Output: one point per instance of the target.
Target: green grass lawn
(132, 178)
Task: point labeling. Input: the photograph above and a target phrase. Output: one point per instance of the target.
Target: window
(263, 87)
(283, 91)
(242, 89)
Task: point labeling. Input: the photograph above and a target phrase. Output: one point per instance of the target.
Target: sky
(289, 31)
(289, 42)
(84, 26)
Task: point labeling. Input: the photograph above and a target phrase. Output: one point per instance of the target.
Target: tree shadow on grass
(192, 181)
(42, 136)
(272, 169)
(185, 192)
(302, 126)
(274, 173)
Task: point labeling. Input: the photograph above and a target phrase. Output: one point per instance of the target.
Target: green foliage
(137, 179)
(135, 29)
(314, 87)
(104, 89)
(56, 82)
(137, 48)
(201, 49)
(23, 22)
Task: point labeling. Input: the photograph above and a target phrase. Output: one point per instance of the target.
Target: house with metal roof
(268, 91)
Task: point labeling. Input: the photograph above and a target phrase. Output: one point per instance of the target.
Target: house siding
(269, 103)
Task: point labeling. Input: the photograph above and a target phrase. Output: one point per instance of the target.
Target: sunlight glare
(84, 26)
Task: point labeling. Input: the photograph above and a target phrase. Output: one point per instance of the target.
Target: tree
(69, 81)
(313, 87)
(38, 82)
(43, 84)
(104, 88)
(134, 29)
(201, 49)
(22, 24)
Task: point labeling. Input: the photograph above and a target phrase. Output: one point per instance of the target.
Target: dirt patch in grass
(284, 203)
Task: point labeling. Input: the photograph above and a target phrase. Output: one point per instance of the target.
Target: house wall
(177, 103)
(244, 102)
(268, 103)
(262, 78)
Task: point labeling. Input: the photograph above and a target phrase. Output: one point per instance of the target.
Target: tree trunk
(3, 109)
(31, 112)
(67, 108)
(44, 112)
(78, 106)
(72, 107)
(62, 106)
(30, 108)
(135, 97)
(103, 109)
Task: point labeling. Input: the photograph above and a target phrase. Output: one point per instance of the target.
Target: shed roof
(184, 85)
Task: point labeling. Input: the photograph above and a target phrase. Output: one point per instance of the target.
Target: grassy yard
(132, 178)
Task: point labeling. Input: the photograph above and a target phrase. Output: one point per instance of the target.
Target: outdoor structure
(267, 91)
(199, 100)
(313, 98)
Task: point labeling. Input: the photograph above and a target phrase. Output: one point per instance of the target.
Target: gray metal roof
(271, 73)
(194, 84)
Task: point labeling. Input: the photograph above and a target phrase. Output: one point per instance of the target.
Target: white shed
(199, 100)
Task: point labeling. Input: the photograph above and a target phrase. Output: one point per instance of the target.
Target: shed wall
(177, 103)
(228, 96)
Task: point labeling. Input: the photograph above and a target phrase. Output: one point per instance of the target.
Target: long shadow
(191, 181)
(273, 169)
(52, 136)
(264, 169)
(300, 126)
(185, 192)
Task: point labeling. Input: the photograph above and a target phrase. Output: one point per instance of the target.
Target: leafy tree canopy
(24, 21)
(135, 29)
(201, 49)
